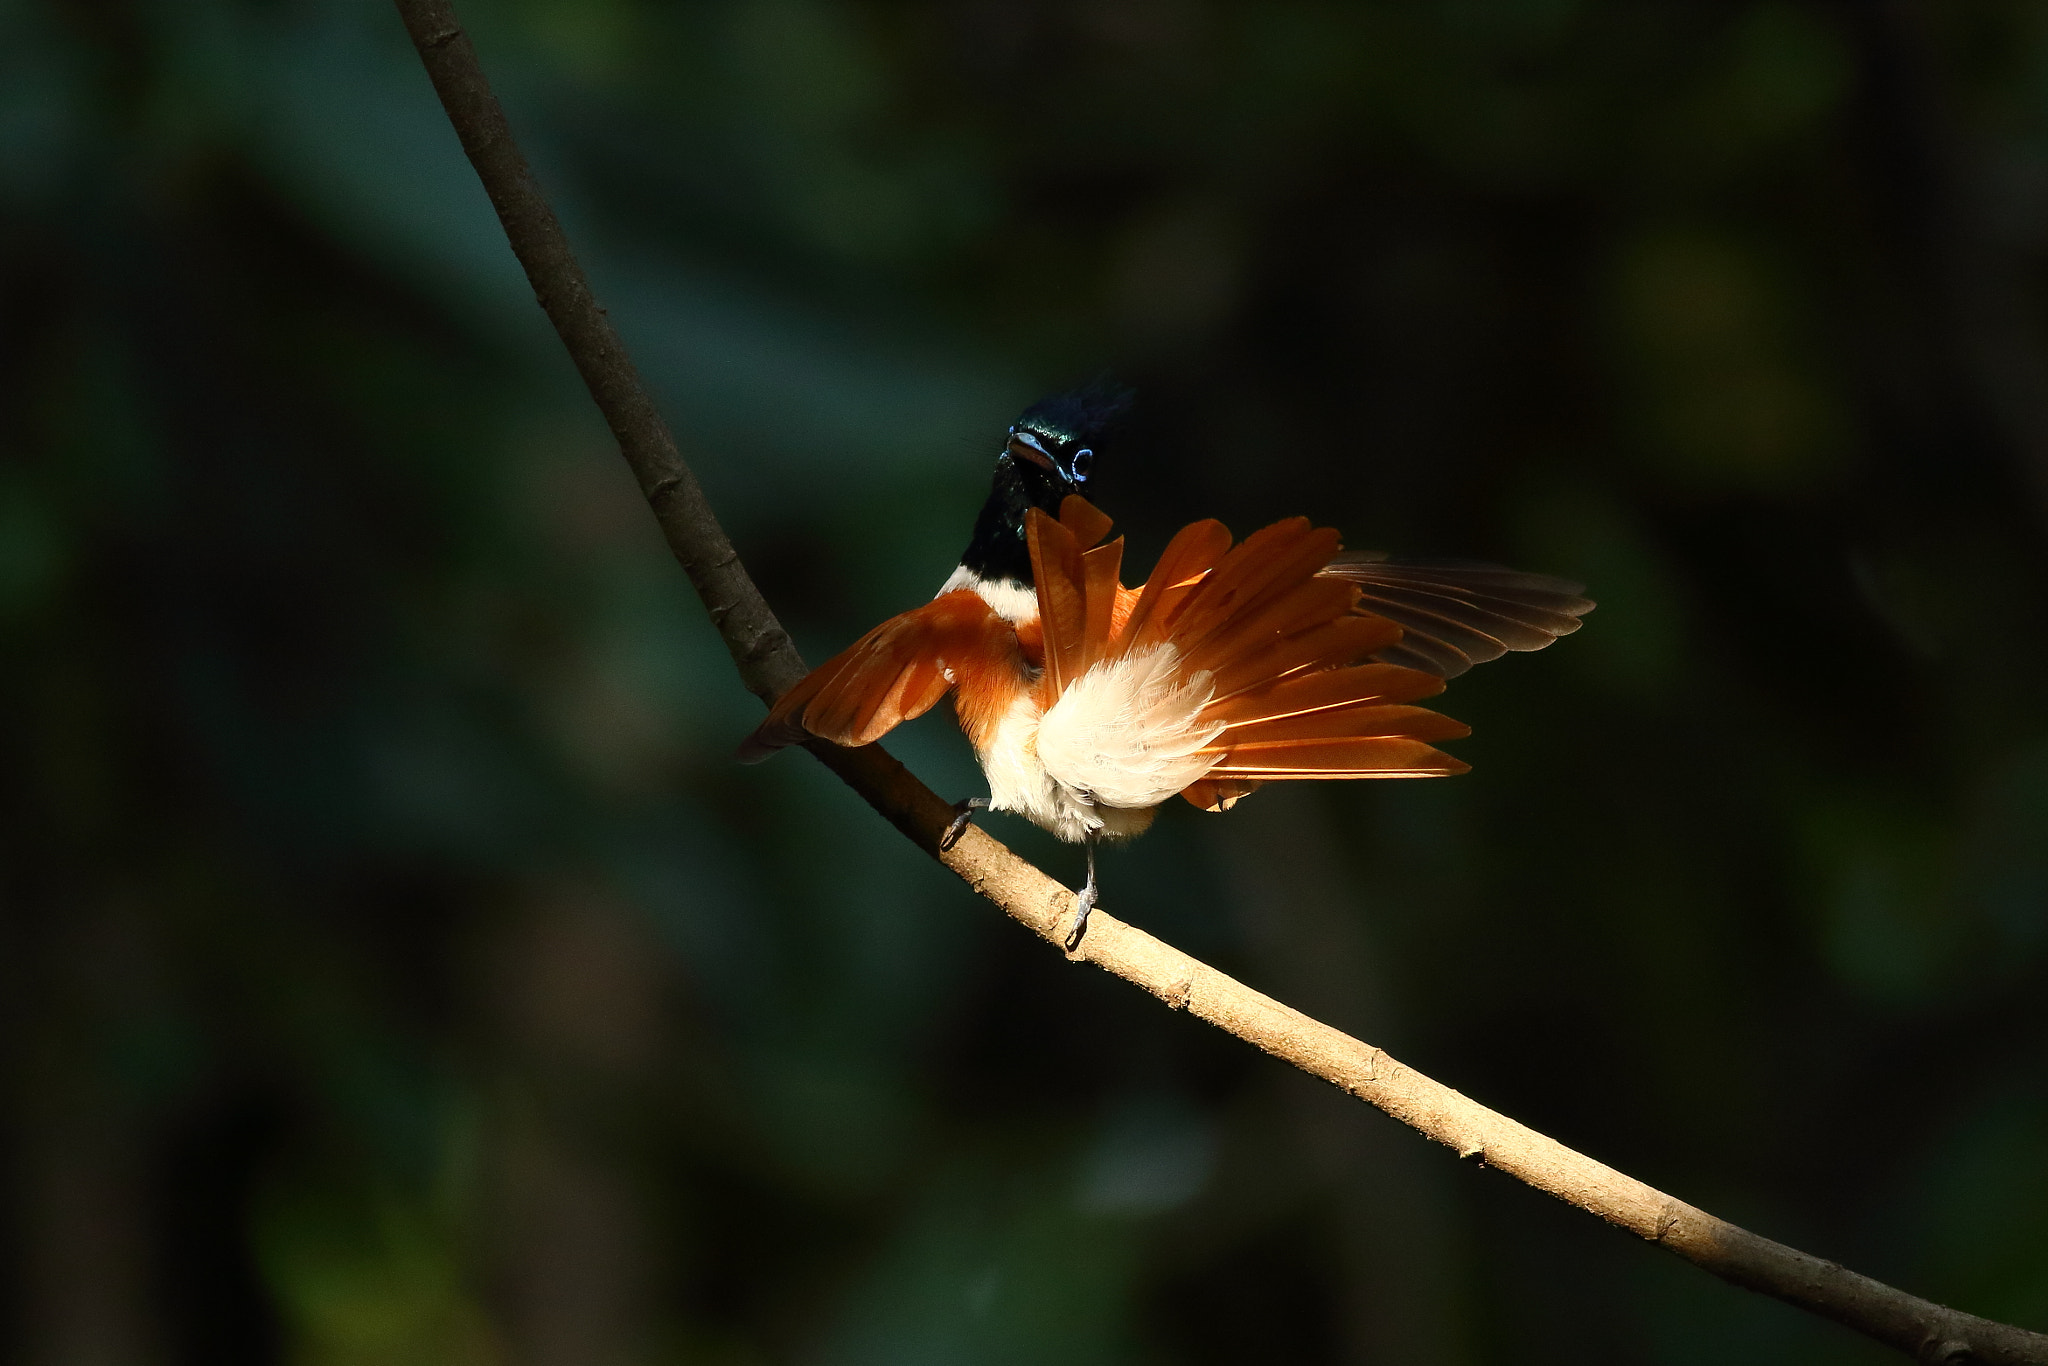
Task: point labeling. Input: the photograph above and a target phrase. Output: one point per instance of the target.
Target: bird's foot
(963, 816)
(1084, 900)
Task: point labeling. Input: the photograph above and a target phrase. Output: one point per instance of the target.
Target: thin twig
(768, 663)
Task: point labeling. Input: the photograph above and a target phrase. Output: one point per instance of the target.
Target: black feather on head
(1079, 417)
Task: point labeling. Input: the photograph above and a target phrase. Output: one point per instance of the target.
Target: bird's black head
(1061, 432)
(1048, 453)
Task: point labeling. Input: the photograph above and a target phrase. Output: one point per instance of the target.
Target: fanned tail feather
(1276, 643)
(1352, 757)
(1232, 666)
(1193, 552)
(1099, 576)
(1328, 646)
(1220, 794)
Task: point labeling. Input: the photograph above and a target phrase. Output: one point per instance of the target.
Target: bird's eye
(1084, 460)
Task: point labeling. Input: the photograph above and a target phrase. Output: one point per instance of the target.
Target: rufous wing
(1454, 614)
(1279, 646)
(1291, 696)
(895, 672)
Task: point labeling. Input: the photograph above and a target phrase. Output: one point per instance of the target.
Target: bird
(1234, 664)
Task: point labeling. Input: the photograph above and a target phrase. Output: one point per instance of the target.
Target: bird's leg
(963, 816)
(1084, 899)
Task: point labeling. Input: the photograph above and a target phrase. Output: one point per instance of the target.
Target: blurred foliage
(396, 968)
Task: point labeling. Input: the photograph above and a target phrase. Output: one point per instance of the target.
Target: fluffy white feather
(1018, 782)
(1122, 739)
(1127, 731)
(1118, 742)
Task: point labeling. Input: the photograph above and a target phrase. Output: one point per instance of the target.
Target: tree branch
(768, 663)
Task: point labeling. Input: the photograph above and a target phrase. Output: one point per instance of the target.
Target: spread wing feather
(1270, 652)
(1290, 660)
(1365, 719)
(1369, 756)
(1309, 604)
(895, 672)
(1321, 690)
(1455, 614)
(1220, 794)
(1328, 646)
(1189, 557)
(1099, 576)
(1062, 596)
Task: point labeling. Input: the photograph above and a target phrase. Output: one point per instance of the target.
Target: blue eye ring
(1083, 459)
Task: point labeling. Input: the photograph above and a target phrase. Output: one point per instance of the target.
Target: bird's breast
(989, 685)
(987, 691)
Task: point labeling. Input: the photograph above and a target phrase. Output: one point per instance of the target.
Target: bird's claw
(963, 816)
(1084, 902)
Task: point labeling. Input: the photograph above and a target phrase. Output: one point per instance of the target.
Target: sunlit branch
(768, 663)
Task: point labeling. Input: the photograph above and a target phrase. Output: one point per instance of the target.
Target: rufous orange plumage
(1089, 704)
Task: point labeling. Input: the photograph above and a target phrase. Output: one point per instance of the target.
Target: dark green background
(397, 970)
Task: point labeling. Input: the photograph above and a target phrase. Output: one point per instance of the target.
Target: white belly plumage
(1120, 740)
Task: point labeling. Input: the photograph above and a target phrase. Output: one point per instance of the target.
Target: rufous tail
(1279, 643)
